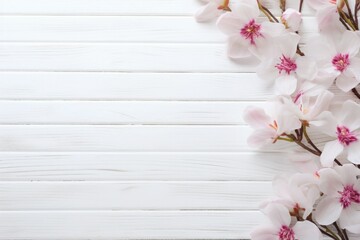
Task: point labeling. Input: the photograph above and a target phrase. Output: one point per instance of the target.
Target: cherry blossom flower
(247, 36)
(281, 227)
(308, 107)
(298, 193)
(268, 128)
(345, 127)
(211, 10)
(337, 59)
(284, 66)
(291, 18)
(341, 201)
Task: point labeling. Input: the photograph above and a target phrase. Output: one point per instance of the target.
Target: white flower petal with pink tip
(341, 198)
(247, 35)
(281, 227)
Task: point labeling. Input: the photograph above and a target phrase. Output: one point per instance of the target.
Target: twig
(357, 94)
(301, 5)
(340, 231)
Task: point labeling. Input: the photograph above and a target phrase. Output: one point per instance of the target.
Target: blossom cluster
(315, 111)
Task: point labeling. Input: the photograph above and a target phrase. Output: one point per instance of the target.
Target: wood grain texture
(38, 166)
(132, 86)
(117, 29)
(122, 120)
(111, 225)
(133, 195)
(124, 112)
(120, 57)
(84, 138)
(110, 7)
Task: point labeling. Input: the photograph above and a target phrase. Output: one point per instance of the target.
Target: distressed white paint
(122, 120)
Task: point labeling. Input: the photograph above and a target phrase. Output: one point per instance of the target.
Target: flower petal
(328, 211)
(256, 117)
(346, 83)
(354, 152)
(237, 47)
(331, 151)
(306, 68)
(330, 182)
(349, 43)
(207, 12)
(286, 84)
(307, 231)
(265, 232)
(350, 115)
(278, 214)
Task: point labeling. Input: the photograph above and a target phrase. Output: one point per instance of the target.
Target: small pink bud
(291, 18)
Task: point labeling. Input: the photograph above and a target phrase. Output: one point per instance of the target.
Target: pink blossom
(298, 193)
(282, 228)
(284, 66)
(345, 128)
(341, 200)
(308, 107)
(336, 60)
(247, 36)
(268, 128)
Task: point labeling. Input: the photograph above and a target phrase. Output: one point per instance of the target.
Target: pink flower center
(345, 136)
(348, 196)
(286, 233)
(251, 31)
(286, 64)
(341, 62)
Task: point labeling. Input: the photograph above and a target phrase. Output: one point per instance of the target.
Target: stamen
(348, 196)
(341, 62)
(345, 136)
(286, 233)
(286, 64)
(251, 31)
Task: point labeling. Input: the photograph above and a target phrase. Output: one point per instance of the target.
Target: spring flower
(281, 227)
(291, 18)
(284, 66)
(308, 107)
(345, 128)
(268, 128)
(298, 193)
(247, 36)
(337, 59)
(341, 200)
(211, 10)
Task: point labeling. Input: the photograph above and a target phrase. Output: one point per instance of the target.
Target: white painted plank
(109, 7)
(116, 29)
(149, 57)
(132, 86)
(124, 112)
(111, 225)
(84, 138)
(36, 166)
(133, 195)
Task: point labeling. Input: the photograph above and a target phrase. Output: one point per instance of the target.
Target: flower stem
(357, 94)
(340, 232)
(301, 5)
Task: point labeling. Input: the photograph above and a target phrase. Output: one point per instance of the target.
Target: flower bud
(291, 19)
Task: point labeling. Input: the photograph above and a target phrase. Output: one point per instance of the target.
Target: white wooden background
(121, 119)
